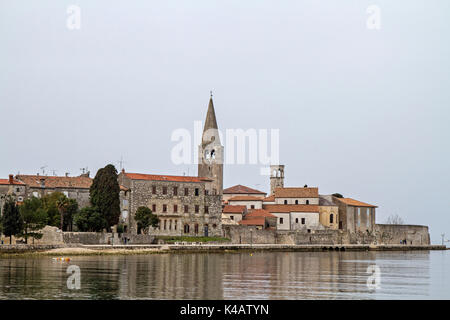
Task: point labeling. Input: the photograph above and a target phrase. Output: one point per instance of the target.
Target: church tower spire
(210, 164)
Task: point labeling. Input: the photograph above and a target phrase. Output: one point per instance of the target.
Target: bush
(90, 219)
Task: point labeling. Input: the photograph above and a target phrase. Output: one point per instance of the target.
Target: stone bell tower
(276, 177)
(210, 152)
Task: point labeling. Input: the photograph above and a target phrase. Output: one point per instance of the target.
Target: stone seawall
(383, 234)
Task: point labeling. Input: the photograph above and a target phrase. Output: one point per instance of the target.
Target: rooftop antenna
(43, 169)
(443, 239)
(121, 163)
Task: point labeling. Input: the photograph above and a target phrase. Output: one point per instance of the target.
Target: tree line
(55, 209)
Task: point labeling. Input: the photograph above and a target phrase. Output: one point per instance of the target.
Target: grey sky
(360, 112)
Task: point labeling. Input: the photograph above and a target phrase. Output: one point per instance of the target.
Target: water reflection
(275, 275)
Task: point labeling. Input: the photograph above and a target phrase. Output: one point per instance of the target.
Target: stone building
(303, 195)
(185, 205)
(249, 201)
(355, 216)
(234, 212)
(11, 187)
(240, 190)
(328, 212)
(72, 187)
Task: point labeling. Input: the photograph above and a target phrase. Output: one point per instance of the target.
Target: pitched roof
(279, 208)
(56, 181)
(14, 182)
(245, 198)
(253, 222)
(259, 213)
(297, 192)
(269, 199)
(155, 177)
(241, 189)
(234, 209)
(123, 188)
(355, 203)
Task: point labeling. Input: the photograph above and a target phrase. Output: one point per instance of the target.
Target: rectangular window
(153, 189)
(125, 202)
(196, 192)
(165, 224)
(252, 206)
(206, 209)
(303, 220)
(164, 207)
(197, 209)
(66, 193)
(175, 208)
(175, 225)
(296, 220)
(186, 191)
(206, 192)
(186, 209)
(232, 217)
(164, 190)
(175, 191)
(154, 207)
(281, 220)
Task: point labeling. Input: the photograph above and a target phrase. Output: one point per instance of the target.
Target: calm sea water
(274, 275)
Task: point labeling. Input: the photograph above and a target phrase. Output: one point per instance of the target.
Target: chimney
(11, 179)
(42, 183)
(67, 174)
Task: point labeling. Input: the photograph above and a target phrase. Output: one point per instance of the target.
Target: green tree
(66, 208)
(89, 219)
(145, 218)
(34, 218)
(50, 205)
(12, 223)
(104, 193)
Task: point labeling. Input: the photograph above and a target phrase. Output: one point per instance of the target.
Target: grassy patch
(170, 239)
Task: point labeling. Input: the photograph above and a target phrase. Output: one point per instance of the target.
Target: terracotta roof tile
(259, 213)
(297, 192)
(242, 189)
(278, 208)
(155, 177)
(253, 222)
(234, 209)
(15, 182)
(355, 203)
(56, 182)
(269, 199)
(245, 198)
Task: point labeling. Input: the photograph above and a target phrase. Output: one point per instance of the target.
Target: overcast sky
(361, 112)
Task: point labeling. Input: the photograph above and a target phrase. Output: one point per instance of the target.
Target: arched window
(196, 228)
(296, 201)
(186, 228)
(285, 201)
(307, 201)
(213, 154)
(331, 218)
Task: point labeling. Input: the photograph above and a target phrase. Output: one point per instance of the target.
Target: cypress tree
(104, 195)
(12, 223)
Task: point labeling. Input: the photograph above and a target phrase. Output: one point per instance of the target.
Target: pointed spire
(210, 122)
